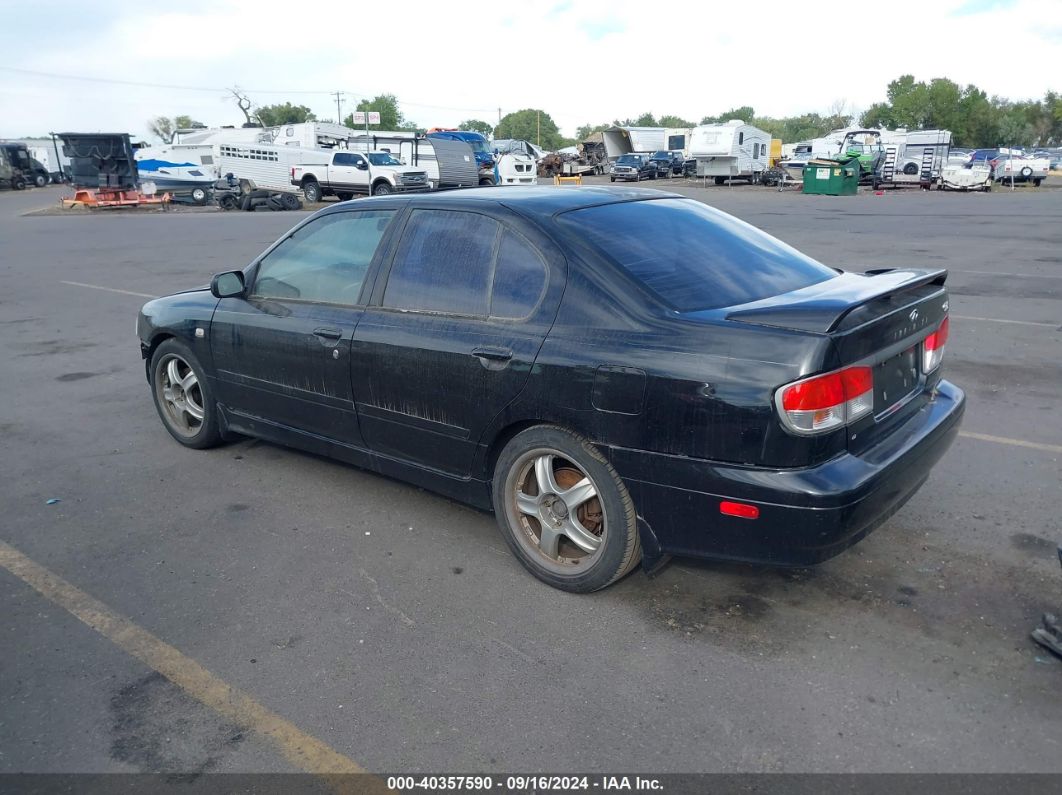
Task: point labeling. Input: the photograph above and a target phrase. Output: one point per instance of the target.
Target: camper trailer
(733, 150)
(626, 140)
(915, 157)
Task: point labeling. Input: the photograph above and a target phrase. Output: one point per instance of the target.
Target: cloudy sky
(111, 66)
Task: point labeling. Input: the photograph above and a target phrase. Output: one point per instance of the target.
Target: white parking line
(985, 437)
(108, 289)
(1003, 320)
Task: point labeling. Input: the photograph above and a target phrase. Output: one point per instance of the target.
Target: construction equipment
(103, 172)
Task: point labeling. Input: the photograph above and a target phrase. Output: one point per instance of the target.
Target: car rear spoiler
(822, 307)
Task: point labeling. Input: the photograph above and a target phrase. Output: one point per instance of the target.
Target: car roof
(538, 200)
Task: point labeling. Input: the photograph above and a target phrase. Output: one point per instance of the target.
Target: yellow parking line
(985, 437)
(298, 747)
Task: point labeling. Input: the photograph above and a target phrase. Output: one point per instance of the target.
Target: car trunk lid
(879, 320)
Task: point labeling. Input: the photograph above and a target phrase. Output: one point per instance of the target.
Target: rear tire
(564, 511)
(345, 197)
(312, 192)
(199, 196)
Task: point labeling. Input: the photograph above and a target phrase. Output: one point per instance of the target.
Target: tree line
(975, 119)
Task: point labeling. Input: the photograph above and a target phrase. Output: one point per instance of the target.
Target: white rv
(733, 150)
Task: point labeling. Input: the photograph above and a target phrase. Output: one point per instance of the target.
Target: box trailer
(627, 140)
(732, 150)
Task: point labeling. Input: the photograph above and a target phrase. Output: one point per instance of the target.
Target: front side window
(444, 263)
(324, 261)
(342, 159)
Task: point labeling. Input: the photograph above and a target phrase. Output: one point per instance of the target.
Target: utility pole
(499, 117)
(339, 112)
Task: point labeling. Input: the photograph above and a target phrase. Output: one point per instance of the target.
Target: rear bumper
(806, 515)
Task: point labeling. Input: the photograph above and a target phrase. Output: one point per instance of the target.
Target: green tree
(645, 120)
(746, 113)
(391, 116)
(586, 130)
(164, 127)
(475, 125)
(274, 115)
(531, 124)
(674, 121)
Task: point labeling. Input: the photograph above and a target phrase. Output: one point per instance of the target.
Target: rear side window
(444, 263)
(519, 278)
(693, 256)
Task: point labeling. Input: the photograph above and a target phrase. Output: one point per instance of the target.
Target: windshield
(662, 155)
(479, 146)
(693, 256)
(383, 159)
(630, 160)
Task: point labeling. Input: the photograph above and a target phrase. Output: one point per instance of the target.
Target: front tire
(183, 397)
(564, 511)
(382, 189)
(40, 180)
(199, 196)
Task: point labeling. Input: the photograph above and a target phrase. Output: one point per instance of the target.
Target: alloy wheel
(180, 395)
(555, 508)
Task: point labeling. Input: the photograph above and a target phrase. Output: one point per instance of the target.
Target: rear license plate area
(895, 379)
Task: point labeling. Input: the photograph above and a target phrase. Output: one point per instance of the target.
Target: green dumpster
(832, 177)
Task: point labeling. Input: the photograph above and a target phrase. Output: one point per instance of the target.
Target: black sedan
(632, 168)
(619, 374)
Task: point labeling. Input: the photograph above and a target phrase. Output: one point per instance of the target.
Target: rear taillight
(933, 348)
(826, 402)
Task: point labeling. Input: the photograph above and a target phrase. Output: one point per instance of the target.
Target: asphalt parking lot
(394, 627)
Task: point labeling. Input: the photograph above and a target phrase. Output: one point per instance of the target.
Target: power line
(214, 90)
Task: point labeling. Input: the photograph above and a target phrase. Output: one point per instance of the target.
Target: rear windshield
(693, 256)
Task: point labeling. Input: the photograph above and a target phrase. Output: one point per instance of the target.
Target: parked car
(619, 374)
(667, 164)
(1006, 165)
(632, 168)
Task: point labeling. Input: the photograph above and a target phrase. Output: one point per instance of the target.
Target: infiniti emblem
(913, 315)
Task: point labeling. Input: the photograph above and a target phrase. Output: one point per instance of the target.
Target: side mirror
(362, 165)
(227, 285)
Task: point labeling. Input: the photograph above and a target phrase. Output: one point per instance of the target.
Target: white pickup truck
(344, 174)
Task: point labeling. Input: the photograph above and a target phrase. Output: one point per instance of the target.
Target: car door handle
(328, 333)
(492, 356)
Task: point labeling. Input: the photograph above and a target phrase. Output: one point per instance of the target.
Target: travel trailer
(732, 150)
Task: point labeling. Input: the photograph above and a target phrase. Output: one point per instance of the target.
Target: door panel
(433, 383)
(466, 307)
(283, 352)
(287, 362)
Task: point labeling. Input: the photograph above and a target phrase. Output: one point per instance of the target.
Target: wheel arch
(156, 340)
(507, 432)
